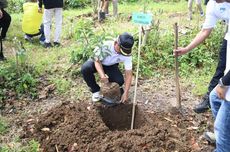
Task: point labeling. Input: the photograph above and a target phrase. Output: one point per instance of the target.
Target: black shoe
(57, 44)
(203, 106)
(5, 39)
(47, 45)
(101, 16)
(2, 58)
(28, 38)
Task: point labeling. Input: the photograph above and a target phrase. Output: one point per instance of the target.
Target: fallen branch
(168, 119)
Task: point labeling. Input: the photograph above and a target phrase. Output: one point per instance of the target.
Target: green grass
(54, 62)
(3, 126)
(62, 84)
(33, 146)
(199, 80)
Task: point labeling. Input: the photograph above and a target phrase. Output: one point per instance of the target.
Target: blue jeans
(221, 112)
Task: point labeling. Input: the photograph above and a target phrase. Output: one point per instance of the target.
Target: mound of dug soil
(78, 127)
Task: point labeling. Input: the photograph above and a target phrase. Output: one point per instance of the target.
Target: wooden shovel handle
(178, 95)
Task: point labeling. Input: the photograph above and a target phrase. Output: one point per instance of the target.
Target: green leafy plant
(157, 54)
(77, 3)
(87, 40)
(18, 76)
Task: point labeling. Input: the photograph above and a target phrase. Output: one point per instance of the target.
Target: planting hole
(120, 117)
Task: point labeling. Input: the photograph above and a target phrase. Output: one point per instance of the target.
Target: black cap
(126, 41)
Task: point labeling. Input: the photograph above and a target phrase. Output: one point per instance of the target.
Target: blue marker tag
(142, 18)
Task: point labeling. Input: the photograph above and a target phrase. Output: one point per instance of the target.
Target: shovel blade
(109, 102)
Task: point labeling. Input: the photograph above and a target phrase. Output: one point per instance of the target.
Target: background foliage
(15, 6)
(155, 56)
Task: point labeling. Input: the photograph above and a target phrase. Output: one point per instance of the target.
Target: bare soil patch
(80, 127)
(66, 125)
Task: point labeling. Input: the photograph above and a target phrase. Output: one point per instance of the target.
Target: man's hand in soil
(124, 97)
(105, 79)
(221, 91)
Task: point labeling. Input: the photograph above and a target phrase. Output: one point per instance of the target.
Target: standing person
(32, 21)
(5, 20)
(115, 7)
(104, 8)
(114, 52)
(204, 105)
(198, 5)
(217, 10)
(52, 7)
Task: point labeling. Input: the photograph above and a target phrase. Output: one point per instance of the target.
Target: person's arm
(40, 6)
(99, 68)
(223, 85)
(200, 37)
(128, 81)
(226, 79)
(1, 14)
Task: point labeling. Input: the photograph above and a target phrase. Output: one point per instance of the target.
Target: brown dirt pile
(76, 127)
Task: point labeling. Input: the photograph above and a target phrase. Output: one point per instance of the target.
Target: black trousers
(5, 23)
(88, 69)
(220, 67)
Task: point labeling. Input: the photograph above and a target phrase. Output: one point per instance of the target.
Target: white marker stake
(135, 91)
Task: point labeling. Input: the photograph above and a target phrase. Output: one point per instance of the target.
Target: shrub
(15, 6)
(158, 51)
(76, 3)
(87, 40)
(18, 76)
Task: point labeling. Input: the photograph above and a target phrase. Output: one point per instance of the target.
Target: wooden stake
(56, 148)
(178, 95)
(135, 92)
